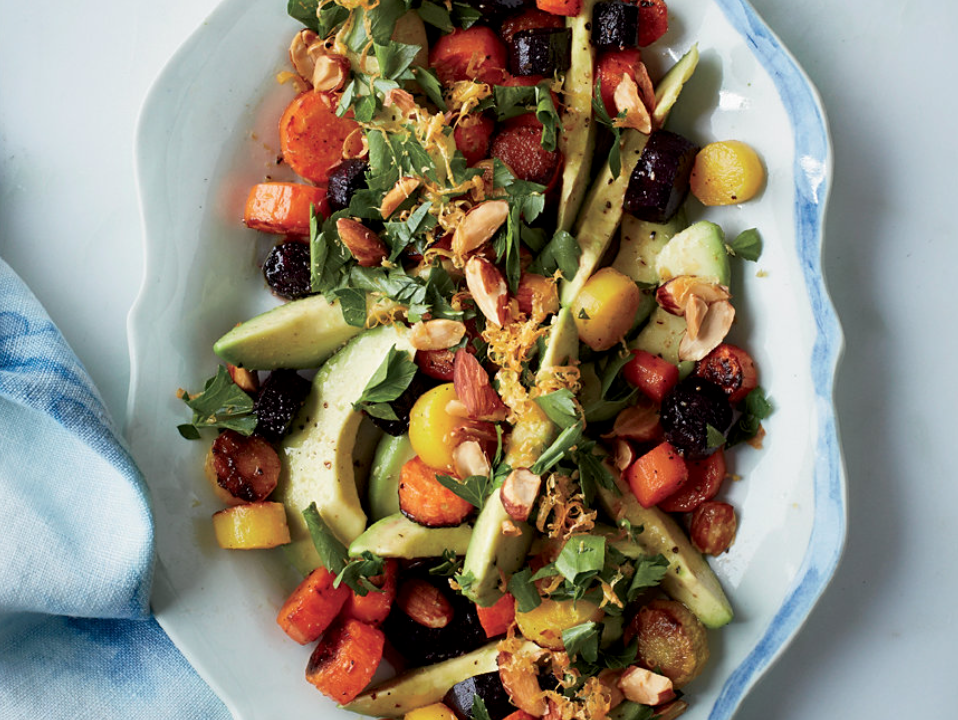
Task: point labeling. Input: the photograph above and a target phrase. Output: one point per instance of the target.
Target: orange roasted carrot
(651, 374)
(569, 8)
(472, 136)
(283, 208)
(345, 660)
(657, 474)
(498, 618)
(732, 369)
(424, 500)
(312, 136)
(519, 145)
(312, 606)
(373, 607)
(473, 54)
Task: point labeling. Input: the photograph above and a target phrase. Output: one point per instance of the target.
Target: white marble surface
(73, 75)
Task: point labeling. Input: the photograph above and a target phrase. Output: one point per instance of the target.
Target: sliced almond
(715, 326)
(474, 390)
(402, 99)
(488, 288)
(519, 492)
(457, 408)
(627, 99)
(245, 380)
(425, 604)
(437, 334)
(673, 296)
(330, 73)
(364, 245)
(469, 459)
(479, 225)
(695, 310)
(299, 53)
(403, 189)
(510, 529)
(646, 88)
(624, 454)
(645, 687)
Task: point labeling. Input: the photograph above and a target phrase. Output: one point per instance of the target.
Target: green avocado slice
(689, 578)
(392, 453)
(397, 536)
(319, 452)
(297, 335)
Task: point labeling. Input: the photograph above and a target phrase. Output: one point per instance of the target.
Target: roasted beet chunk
(487, 686)
(540, 51)
(287, 270)
(689, 410)
(422, 645)
(280, 398)
(615, 25)
(659, 183)
(348, 177)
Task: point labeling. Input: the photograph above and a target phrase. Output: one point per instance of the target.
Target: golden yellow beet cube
(255, 526)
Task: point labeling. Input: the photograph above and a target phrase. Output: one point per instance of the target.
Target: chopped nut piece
(437, 334)
(488, 289)
(624, 454)
(330, 73)
(674, 295)
(474, 390)
(715, 326)
(645, 687)
(364, 245)
(299, 56)
(627, 99)
(245, 380)
(402, 190)
(510, 529)
(402, 99)
(479, 225)
(695, 310)
(425, 604)
(519, 492)
(469, 459)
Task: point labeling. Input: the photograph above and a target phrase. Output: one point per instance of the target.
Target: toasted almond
(457, 409)
(624, 454)
(355, 145)
(627, 99)
(488, 288)
(519, 492)
(645, 687)
(425, 604)
(330, 73)
(402, 190)
(473, 388)
(469, 459)
(245, 380)
(610, 679)
(695, 310)
(715, 326)
(437, 334)
(479, 225)
(646, 88)
(673, 296)
(299, 53)
(402, 99)
(364, 245)
(671, 710)
(510, 529)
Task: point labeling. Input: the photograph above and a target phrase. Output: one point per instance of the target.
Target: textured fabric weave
(76, 545)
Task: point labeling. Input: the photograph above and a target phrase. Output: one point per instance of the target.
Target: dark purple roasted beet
(421, 645)
(688, 411)
(402, 406)
(278, 401)
(345, 179)
(540, 51)
(660, 181)
(287, 270)
(615, 25)
(488, 686)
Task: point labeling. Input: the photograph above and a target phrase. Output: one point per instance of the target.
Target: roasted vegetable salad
(491, 420)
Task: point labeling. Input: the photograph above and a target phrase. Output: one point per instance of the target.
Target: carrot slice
(651, 374)
(473, 54)
(345, 660)
(732, 369)
(705, 479)
(653, 21)
(312, 136)
(519, 146)
(498, 618)
(568, 8)
(657, 474)
(374, 607)
(283, 208)
(312, 606)
(424, 500)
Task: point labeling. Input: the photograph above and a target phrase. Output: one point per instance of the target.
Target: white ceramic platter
(208, 132)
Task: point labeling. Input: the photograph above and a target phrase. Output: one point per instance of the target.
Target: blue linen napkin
(76, 545)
